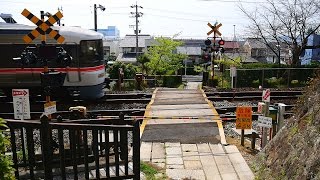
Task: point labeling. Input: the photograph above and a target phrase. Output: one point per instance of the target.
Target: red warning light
(221, 42)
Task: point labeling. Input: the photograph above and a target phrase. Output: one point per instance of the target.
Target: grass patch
(149, 170)
(182, 86)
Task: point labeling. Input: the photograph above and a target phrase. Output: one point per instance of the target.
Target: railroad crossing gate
(43, 27)
(244, 117)
(214, 29)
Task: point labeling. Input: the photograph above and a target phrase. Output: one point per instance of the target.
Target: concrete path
(183, 134)
(180, 116)
(201, 161)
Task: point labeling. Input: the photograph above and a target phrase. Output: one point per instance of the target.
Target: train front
(86, 75)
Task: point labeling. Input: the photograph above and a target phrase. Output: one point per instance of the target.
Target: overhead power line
(187, 13)
(187, 19)
(234, 1)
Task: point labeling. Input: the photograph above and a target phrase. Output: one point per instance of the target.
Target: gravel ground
(116, 106)
(210, 89)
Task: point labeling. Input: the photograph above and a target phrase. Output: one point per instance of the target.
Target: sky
(188, 18)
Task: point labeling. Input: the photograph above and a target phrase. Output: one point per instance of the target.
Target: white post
(231, 81)
(281, 111)
(185, 68)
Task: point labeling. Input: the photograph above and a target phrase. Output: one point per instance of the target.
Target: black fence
(75, 149)
(268, 77)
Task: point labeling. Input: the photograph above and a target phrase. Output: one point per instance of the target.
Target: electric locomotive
(85, 75)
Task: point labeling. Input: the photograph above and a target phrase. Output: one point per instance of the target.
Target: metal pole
(279, 54)
(45, 68)
(137, 31)
(95, 16)
(212, 57)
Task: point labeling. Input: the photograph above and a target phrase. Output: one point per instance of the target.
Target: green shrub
(213, 82)
(129, 70)
(172, 81)
(256, 83)
(294, 83)
(274, 82)
(6, 170)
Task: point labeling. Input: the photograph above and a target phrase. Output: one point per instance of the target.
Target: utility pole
(234, 39)
(137, 15)
(95, 14)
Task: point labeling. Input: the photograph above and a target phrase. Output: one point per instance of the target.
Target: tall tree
(162, 56)
(143, 59)
(285, 21)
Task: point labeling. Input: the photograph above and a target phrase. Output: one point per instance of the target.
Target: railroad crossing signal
(214, 29)
(43, 27)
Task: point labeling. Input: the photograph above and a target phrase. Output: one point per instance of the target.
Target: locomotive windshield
(91, 51)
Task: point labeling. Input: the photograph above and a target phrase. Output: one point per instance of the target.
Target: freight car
(85, 76)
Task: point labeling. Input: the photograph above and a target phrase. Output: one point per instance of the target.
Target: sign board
(233, 71)
(260, 107)
(50, 107)
(21, 104)
(244, 117)
(265, 121)
(266, 95)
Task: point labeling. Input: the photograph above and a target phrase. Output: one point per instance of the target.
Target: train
(84, 77)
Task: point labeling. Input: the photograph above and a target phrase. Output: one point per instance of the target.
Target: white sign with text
(21, 104)
(265, 121)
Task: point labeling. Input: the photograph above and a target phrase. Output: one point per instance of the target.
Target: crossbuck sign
(43, 27)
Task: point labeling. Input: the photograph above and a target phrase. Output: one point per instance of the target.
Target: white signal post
(215, 31)
(265, 98)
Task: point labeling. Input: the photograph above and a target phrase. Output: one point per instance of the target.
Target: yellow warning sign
(244, 117)
(50, 107)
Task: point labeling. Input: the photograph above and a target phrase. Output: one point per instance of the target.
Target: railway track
(90, 114)
(113, 104)
(252, 95)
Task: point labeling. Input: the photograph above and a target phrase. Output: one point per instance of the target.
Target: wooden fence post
(136, 149)
(46, 148)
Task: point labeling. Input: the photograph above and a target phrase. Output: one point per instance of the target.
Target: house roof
(189, 50)
(192, 42)
(231, 45)
(256, 43)
(130, 41)
(244, 57)
(127, 58)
